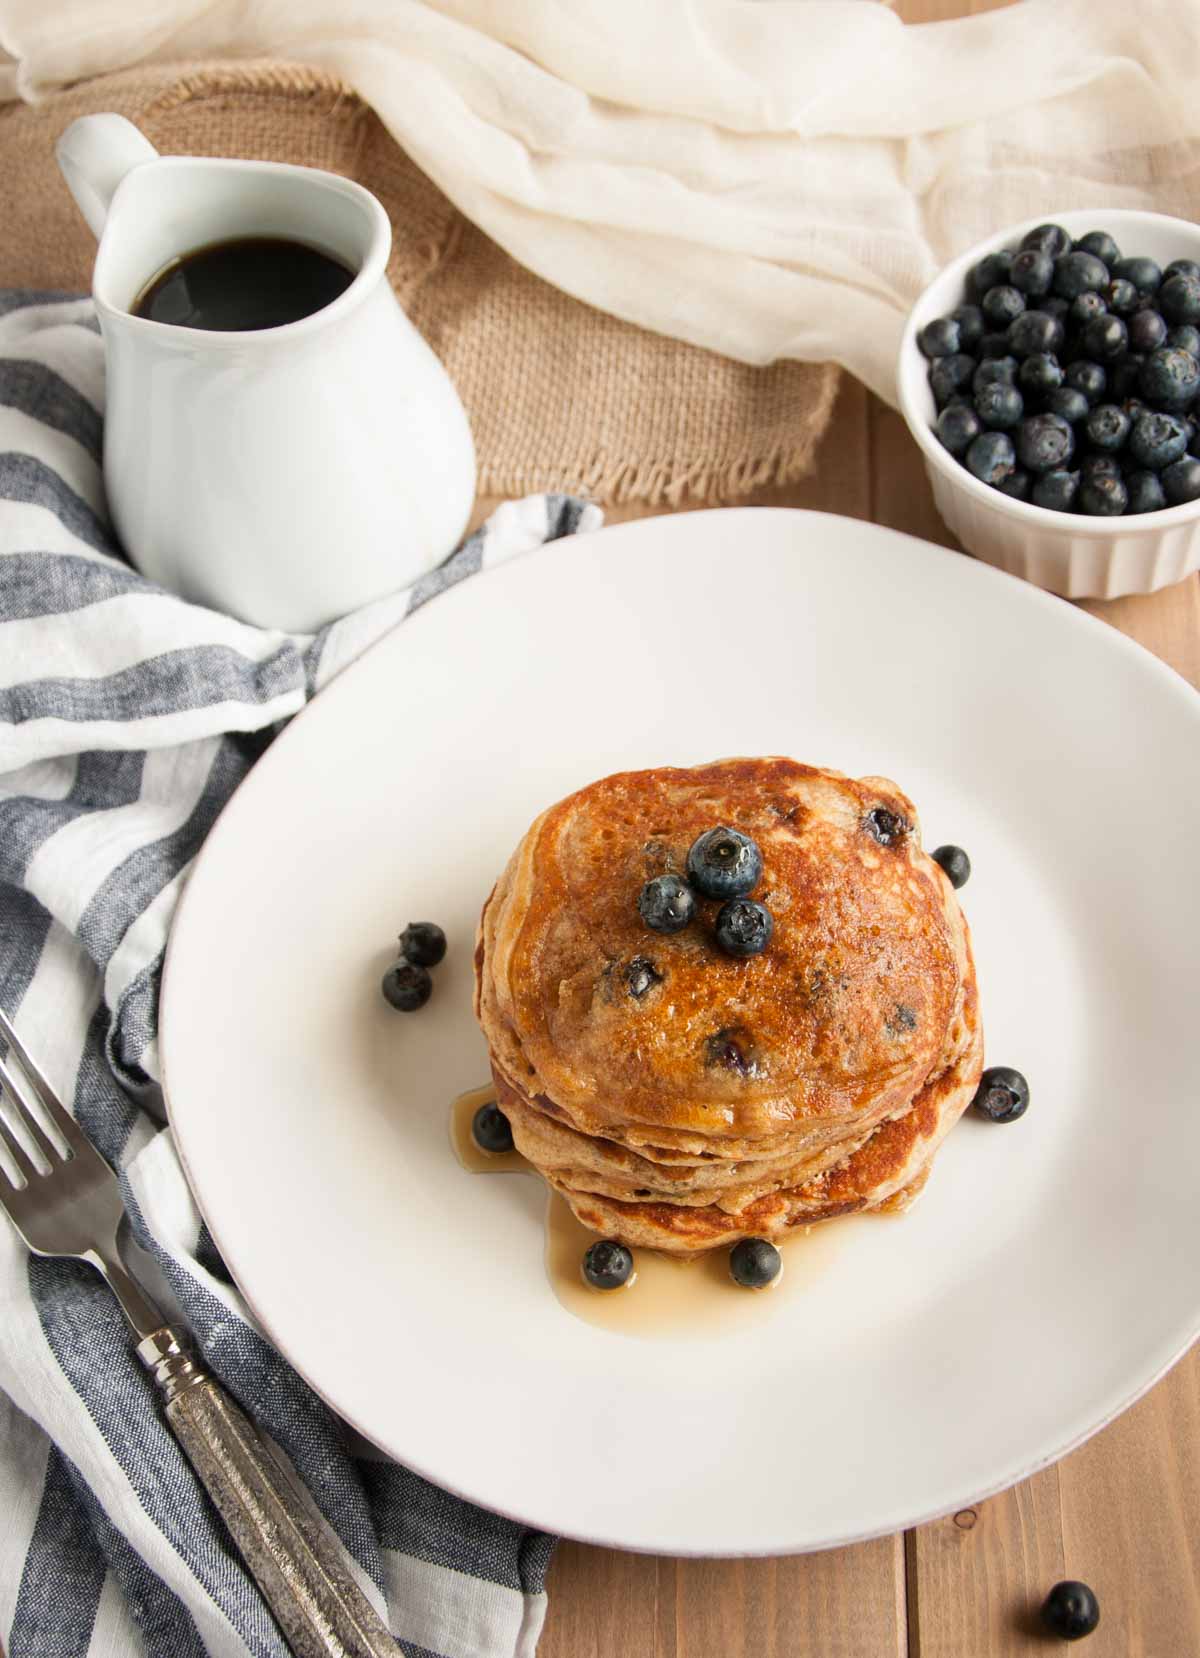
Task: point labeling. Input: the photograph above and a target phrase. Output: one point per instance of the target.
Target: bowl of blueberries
(1051, 377)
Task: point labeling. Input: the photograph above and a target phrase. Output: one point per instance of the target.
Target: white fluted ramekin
(1068, 553)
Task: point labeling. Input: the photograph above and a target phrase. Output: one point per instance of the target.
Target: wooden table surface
(1123, 1513)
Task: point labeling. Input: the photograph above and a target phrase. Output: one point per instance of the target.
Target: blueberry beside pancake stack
(682, 1097)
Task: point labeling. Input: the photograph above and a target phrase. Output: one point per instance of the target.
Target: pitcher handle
(94, 154)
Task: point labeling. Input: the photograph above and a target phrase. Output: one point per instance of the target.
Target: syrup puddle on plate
(665, 1297)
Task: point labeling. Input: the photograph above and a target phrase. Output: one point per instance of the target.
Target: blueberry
(1070, 1611)
(1079, 273)
(991, 270)
(423, 942)
(950, 374)
(1103, 496)
(1100, 243)
(993, 370)
(999, 406)
(1181, 480)
(1018, 486)
(957, 427)
(1186, 339)
(1040, 374)
(970, 326)
(1121, 297)
(1035, 331)
(991, 457)
(1086, 306)
(1170, 377)
(666, 903)
(491, 1129)
(1002, 305)
(744, 927)
(955, 863)
(884, 826)
(1179, 298)
(1054, 305)
(1045, 442)
(1032, 272)
(407, 986)
(1104, 338)
(1125, 375)
(1107, 426)
(1056, 490)
(1182, 267)
(1145, 492)
(1087, 377)
(1053, 238)
(724, 863)
(641, 975)
(1072, 405)
(939, 338)
(754, 1263)
(607, 1265)
(1157, 439)
(994, 343)
(1100, 466)
(1143, 273)
(1147, 330)
(1002, 1095)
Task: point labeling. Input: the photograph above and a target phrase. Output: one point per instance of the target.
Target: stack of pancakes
(682, 1099)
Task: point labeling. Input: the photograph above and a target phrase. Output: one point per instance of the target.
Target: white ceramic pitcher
(288, 475)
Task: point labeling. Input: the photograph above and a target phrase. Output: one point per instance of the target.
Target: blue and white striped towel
(127, 718)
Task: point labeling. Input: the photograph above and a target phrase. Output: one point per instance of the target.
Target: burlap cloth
(560, 396)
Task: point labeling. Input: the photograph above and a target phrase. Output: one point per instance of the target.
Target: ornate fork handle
(320, 1609)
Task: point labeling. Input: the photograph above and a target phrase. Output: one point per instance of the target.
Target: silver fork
(73, 1209)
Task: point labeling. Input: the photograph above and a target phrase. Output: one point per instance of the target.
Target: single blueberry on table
(991, 271)
(995, 369)
(1179, 298)
(1107, 426)
(667, 904)
(1072, 405)
(1100, 243)
(1086, 306)
(1103, 496)
(1170, 378)
(1143, 273)
(754, 1263)
(1018, 486)
(1035, 331)
(1186, 338)
(1079, 273)
(939, 338)
(1002, 305)
(970, 326)
(1182, 267)
(1147, 330)
(724, 863)
(1157, 439)
(1053, 238)
(950, 374)
(1145, 492)
(491, 1129)
(1125, 375)
(1181, 480)
(1087, 377)
(744, 927)
(1056, 490)
(1040, 374)
(423, 942)
(1105, 338)
(955, 863)
(999, 406)
(1045, 442)
(607, 1265)
(957, 427)
(1002, 1095)
(407, 986)
(1121, 297)
(1032, 272)
(1070, 1610)
(991, 457)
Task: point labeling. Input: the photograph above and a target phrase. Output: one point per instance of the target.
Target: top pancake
(841, 1019)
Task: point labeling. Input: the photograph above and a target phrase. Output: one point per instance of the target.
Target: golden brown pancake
(682, 1098)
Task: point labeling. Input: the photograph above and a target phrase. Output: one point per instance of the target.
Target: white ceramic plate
(1048, 1275)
